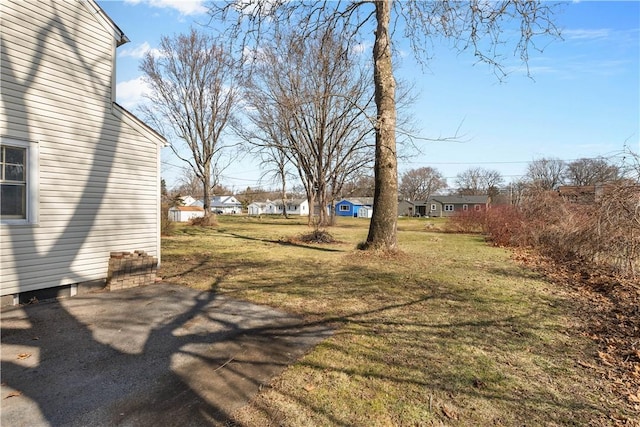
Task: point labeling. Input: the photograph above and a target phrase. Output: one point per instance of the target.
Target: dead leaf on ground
(13, 394)
(450, 413)
(23, 356)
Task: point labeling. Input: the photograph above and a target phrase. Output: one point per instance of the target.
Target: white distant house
(365, 212)
(293, 207)
(257, 208)
(185, 213)
(81, 173)
(189, 201)
(298, 207)
(226, 205)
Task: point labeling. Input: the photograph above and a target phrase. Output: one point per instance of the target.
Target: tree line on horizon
(420, 183)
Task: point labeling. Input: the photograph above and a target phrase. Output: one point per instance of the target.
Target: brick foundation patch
(128, 270)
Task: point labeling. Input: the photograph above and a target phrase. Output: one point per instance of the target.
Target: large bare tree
(420, 183)
(546, 173)
(479, 181)
(194, 93)
(311, 112)
(276, 163)
(591, 171)
(359, 185)
(478, 26)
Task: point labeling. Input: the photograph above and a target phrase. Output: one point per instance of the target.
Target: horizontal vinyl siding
(107, 202)
(58, 39)
(58, 102)
(98, 175)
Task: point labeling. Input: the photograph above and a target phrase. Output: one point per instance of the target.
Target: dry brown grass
(448, 332)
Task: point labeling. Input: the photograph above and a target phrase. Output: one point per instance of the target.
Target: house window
(477, 207)
(465, 207)
(344, 208)
(433, 207)
(448, 208)
(18, 181)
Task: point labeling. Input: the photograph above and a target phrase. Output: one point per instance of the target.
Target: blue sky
(583, 99)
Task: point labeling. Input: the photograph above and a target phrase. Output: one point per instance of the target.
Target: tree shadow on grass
(491, 359)
(285, 243)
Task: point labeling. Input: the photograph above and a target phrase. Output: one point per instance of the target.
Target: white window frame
(434, 207)
(448, 207)
(32, 185)
(465, 207)
(477, 207)
(344, 208)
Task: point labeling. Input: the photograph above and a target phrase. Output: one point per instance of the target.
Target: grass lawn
(451, 331)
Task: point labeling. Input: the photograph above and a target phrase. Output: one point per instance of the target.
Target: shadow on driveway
(155, 355)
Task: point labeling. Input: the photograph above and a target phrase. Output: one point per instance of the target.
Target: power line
(507, 162)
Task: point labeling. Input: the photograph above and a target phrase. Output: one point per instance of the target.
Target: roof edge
(124, 114)
(106, 21)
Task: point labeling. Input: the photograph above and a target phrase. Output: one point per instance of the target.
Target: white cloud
(130, 93)
(135, 51)
(361, 48)
(585, 34)
(184, 7)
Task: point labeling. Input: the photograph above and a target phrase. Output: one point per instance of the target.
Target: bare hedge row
(603, 233)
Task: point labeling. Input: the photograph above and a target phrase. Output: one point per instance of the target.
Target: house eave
(125, 115)
(107, 22)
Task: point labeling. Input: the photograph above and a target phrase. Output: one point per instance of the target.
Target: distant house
(189, 201)
(582, 194)
(365, 212)
(257, 208)
(445, 206)
(81, 175)
(349, 207)
(264, 208)
(407, 208)
(185, 213)
(293, 207)
(226, 205)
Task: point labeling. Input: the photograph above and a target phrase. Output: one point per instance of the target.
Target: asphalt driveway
(160, 355)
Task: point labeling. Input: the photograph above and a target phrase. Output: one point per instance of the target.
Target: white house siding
(181, 215)
(98, 166)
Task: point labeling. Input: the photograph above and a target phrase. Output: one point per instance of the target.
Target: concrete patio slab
(155, 355)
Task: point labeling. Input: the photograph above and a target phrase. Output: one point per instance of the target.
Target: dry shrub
(617, 228)
(167, 227)
(503, 226)
(602, 234)
(470, 221)
(205, 221)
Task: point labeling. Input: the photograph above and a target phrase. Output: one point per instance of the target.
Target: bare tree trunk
(284, 199)
(321, 198)
(206, 186)
(311, 200)
(382, 230)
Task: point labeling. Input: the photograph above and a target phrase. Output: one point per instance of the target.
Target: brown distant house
(587, 194)
(583, 194)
